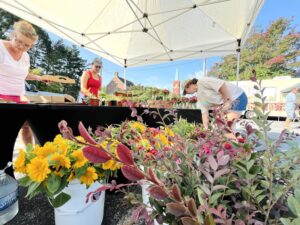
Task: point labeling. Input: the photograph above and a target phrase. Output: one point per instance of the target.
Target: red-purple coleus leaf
(124, 154)
(95, 155)
(157, 192)
(189, 221)
(176, 192)
(223, 160)
(153, 176)
(177, 209)
(192, 207)
(212, 162)
(85, 134)
(97, 191)
(132, 173)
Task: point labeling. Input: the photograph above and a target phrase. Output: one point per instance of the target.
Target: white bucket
(145, 196)
(76, 211)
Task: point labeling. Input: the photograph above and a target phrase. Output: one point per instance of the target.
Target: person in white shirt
(290, 106)
(14, 67)
(213, 92)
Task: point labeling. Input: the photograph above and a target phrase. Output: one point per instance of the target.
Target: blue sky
(162, 75)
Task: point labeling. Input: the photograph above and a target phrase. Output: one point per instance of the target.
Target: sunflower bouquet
(48, 169)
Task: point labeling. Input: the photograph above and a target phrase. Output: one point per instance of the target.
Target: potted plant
(60, 171)
(91, 100)
(201, 177)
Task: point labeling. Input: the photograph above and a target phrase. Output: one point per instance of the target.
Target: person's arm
(36, 77)
(226, 97)
(204, 113)
(83, 84)
(205, 119)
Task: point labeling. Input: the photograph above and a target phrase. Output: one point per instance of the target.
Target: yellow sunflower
(104, 144)
(144, 143)
(111, 165)
(89, 177)
(138, 127)
(46, 150)
(19, 163)
(80, 160)
(59, 140)
(38, 169)
(162, 140)
(61, 160)
(63, 148)
(169, 132)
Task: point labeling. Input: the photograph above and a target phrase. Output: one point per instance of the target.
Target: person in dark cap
(91, 80)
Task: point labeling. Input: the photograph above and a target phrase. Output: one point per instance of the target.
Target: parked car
(35, 96)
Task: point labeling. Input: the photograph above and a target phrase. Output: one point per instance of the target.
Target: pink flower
(207, 149)
(241, 140)
(227, 146)
(178, 161)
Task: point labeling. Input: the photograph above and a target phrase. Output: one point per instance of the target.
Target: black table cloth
(44, 118)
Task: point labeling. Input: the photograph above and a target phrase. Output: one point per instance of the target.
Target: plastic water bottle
(9, 205)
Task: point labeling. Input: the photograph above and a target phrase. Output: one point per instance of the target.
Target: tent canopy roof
(140, 32)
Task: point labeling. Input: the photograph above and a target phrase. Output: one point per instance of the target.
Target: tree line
(272, 52)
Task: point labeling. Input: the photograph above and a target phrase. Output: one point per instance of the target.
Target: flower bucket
(76, 211)
(145, 196)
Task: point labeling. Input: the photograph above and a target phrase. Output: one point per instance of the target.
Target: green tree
(6, 21)
(271, 52)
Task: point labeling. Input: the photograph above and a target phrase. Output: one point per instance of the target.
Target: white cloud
(199, 74)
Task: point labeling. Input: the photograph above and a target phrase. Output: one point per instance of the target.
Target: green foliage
(294, 205)
(271, 52)
(183, 128)
(143, 94)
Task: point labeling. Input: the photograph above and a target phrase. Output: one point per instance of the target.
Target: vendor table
(44, 118)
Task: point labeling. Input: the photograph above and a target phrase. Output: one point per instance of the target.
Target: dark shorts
(240, 104)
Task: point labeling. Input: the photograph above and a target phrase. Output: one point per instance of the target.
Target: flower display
(49, 168)
(198, 176)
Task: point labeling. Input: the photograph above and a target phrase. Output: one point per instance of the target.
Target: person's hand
(227, 105)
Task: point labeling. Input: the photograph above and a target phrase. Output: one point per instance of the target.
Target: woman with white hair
(91, 80)
(14, 67)
(15, 62)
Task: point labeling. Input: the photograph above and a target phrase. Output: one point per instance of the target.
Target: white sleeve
(202, 107)
(1, 56)
(212, 83)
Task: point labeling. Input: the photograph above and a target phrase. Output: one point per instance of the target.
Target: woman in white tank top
(15, 63)
(14, 67)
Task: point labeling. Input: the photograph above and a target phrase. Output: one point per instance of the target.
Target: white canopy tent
(140, 32)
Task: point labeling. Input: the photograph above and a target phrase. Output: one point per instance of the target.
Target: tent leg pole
(124, 76)
(204, 67)
(238, 68)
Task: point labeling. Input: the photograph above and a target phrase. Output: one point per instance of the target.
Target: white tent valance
(141, 32)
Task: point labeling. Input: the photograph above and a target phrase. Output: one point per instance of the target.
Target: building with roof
(117, 84)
